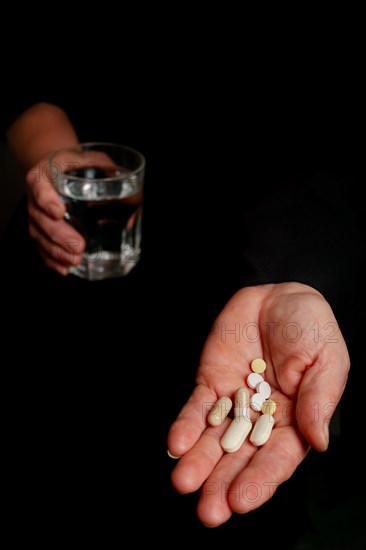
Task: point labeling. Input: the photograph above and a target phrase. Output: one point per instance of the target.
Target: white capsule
(265, 389)
(256, 401)
(242, 411)
(242, 403)
(241, 397)
(236, 434)
(254, 379)
(219, 411)
(262, 429)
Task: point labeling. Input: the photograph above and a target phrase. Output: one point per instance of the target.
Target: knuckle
(38, 194)
(42, 193)
(30, 207)
(34, 214)
(54, 250)
(49, 263)
(32, 231)
(31, 176)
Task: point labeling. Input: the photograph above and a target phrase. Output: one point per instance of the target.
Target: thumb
(320, 391)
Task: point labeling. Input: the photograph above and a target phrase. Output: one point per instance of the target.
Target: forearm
(39, 130)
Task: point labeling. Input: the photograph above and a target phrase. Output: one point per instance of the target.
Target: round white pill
(254, 379)
(264, 389)
(256, 401)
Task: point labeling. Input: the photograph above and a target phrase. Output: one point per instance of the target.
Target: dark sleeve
(15, 102)
(307, 229)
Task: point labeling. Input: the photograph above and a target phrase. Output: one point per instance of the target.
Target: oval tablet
(236, 434)
(219, 411)
(262, 429)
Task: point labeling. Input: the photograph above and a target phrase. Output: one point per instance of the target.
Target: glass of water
(101, 185)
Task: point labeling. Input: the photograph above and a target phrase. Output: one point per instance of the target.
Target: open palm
(293, 328)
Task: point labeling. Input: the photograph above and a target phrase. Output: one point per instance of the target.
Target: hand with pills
(241, 425)
(261, 400)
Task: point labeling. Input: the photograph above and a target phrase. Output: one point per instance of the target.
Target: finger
(53, 250)
(270, 466)
(197, 464)
(213, 507)
(59, 232)
(191, 421)
(43, 193)
(53, 264)
(320, 391)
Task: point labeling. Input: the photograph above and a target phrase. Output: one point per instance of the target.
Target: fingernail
(325, 437)
(55, 211)
(63, 271)
(76, 260)
(173, 456)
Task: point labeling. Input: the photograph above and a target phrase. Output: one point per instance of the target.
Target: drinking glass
(101, 185)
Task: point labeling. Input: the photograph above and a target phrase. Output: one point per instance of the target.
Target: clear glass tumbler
(101, 185)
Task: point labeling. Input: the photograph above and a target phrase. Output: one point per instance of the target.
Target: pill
(258, 365)
(219, 411)
(254, 379)
(256, 401)
(242, 402)
(269, 407)
(242, 411)
(236, 434)
(265, 389)
(241, 397)
(262, 429)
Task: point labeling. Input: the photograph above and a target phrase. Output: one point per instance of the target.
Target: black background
(111, 363)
